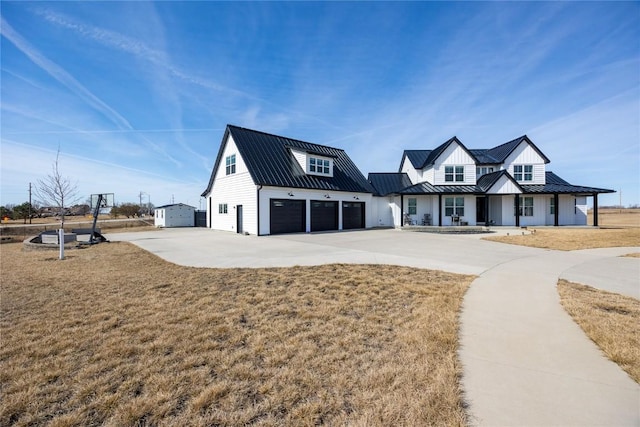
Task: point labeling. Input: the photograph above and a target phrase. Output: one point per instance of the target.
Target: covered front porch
(514, 210)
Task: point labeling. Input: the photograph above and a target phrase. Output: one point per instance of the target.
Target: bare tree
(57, 190)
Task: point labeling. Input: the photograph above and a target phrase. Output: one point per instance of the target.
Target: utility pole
(29, 203)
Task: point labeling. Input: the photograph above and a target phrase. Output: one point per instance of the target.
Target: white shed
(176, 215)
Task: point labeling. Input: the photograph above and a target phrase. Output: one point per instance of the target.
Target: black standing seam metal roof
(422, 158)
(386, 184)
(270, 162)
(483, 156)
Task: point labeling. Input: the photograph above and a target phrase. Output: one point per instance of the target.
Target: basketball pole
(96, 212)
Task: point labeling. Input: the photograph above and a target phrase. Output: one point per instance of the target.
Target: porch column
(556, 210)
(439, 210)
(402, 210)
(595, 209)
(486, 210)
(517, 212)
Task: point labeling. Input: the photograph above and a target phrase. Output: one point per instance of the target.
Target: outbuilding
(175, 215)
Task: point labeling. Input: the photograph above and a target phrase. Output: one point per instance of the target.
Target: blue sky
(137, 95)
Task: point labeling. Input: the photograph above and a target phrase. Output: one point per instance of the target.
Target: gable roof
(386, 183)
(501, 152)
(486, 181)
(423, 158)
(270, 162)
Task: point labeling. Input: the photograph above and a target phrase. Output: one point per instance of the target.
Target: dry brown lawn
(616, 217)
(569, 239)
(610, 320)
(113, 335)
(633, 255)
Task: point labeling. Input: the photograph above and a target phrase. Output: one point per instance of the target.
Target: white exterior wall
(175, 216)
(424, 205)
(573, 210)
(524, 154)
(454, 155)
(408, 168)
(469, 209)
(539, 217)
(428, 175)
(504, 186)
(235, 189)
(495, 210)
(268, 193)
(385, 211)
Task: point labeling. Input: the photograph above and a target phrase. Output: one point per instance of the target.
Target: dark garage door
(352, 215)
(324, 215)
(287, 216)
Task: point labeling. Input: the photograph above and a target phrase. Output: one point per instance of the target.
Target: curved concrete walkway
(526, 362)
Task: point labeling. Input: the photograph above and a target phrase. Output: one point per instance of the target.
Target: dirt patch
(135, 340)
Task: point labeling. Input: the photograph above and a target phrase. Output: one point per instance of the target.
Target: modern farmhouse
(268, 184)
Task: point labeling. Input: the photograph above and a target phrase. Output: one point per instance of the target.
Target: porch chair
(455, 219)
(426, 220)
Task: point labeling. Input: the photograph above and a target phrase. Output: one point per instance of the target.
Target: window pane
(448, 201)
(448, 211)
(312, 161)
(459, 169)
(448, 169)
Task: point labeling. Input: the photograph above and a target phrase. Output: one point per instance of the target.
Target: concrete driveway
(525, 361)
(198, 247)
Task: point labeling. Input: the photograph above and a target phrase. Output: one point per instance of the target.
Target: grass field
(116, 336)
(610, 320)
(569, 239)
(616, 217)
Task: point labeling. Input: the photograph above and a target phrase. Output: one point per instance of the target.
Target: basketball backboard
(107, 200)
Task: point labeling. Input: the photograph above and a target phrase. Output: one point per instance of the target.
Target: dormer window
(319, 166)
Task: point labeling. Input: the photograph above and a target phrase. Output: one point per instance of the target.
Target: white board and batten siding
(268, 193)
(524, 154)
(233, 190)
(454, 155)
(408, 168)
(504, 186)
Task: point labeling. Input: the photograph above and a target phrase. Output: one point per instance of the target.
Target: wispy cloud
(62, 76)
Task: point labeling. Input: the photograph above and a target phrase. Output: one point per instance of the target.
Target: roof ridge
(508, 142)
(284, 137)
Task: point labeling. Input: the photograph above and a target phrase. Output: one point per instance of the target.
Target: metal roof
(270, 162)
(556, 185)
(389, 183)
(501, 152)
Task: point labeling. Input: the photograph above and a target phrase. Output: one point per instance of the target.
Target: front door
(239, 219)
(480, 210)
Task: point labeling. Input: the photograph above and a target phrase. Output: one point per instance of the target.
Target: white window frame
(454, 206)
(483, 170)
(454, 173)
(523, 173)
(223, 208)
(412, 206)
(319, 166)
(230, 163)
(552, 206)
(525, 208)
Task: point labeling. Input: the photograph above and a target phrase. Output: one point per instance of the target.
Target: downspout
(258, 208)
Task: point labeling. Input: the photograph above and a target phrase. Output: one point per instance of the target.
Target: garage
(352, 215)
(324, 215)
(287, 216)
